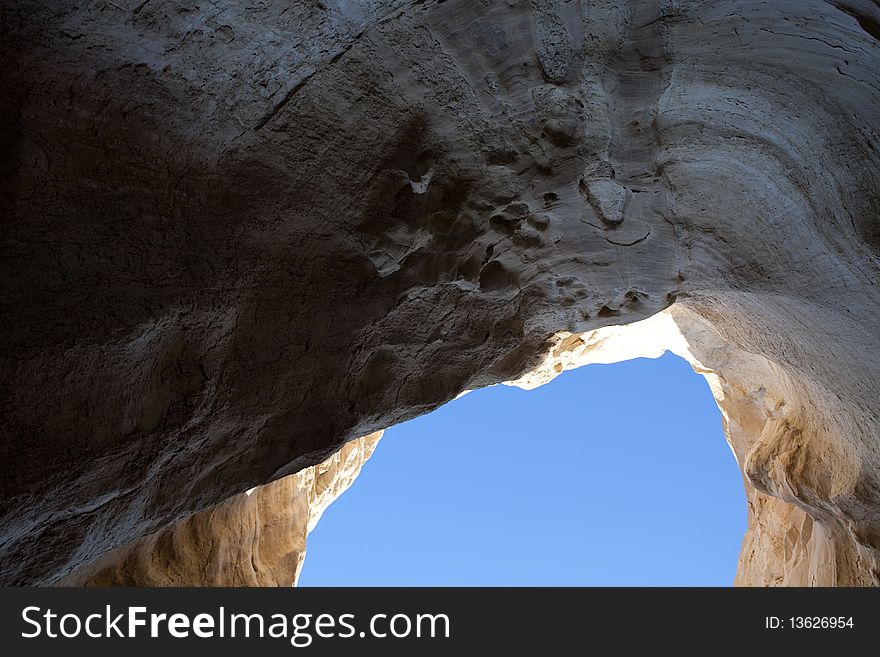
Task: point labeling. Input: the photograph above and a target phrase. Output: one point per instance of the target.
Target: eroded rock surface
(255, 538)
(236, 237)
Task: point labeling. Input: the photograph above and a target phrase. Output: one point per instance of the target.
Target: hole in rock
(607, 475)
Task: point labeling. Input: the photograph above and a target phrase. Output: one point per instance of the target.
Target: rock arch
(235, 241)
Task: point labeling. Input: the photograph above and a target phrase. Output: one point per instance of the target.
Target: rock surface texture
(255, 538)
(237, 237)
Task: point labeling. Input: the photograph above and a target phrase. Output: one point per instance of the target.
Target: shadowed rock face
(255, 538)
(235, 238)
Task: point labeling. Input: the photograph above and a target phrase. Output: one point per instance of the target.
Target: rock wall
(256, 538)
(237, 237)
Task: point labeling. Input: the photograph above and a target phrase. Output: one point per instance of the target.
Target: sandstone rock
(256, 538)
(235, 238)
(608, 200)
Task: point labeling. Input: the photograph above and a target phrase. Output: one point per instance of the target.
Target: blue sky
(610, 475)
